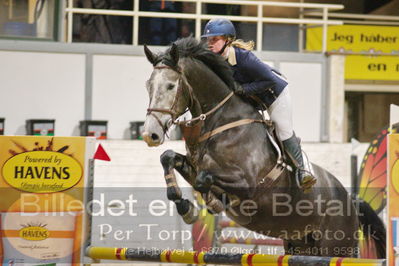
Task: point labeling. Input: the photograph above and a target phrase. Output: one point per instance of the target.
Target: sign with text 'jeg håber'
(42, 181)
(372, 40)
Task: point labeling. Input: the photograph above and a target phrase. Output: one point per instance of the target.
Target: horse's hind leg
(171, 160)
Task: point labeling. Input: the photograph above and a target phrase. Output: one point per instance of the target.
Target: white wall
(42, 86)
(119, 92)
(305, 83)
(53, 85)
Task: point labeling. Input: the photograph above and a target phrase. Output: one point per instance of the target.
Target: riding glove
(239, 90)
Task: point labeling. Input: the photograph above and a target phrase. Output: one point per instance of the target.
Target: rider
(254, 78)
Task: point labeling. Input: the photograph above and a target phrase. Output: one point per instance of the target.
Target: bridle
(172, 112)
(174, 115)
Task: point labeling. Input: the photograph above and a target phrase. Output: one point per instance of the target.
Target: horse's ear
(150, 56)
(174, 53)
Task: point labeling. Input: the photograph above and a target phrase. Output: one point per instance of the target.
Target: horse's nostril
(154, 137)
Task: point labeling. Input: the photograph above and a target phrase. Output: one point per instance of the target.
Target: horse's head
(167, 97)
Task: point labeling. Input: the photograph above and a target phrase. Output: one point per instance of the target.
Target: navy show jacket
(256, 77)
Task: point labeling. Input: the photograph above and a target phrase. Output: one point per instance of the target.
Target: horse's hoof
(211, 211)
(215, 205)
(190, 218)
(187, 211)
(203, 182)
(173, 193)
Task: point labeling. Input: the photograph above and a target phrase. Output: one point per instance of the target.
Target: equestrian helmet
(219, 27)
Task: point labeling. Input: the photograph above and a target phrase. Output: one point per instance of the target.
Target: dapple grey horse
(237, 168)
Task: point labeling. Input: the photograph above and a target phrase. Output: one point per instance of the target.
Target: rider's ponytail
(243, 45)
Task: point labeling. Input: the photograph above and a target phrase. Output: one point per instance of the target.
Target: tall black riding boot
(293, 148)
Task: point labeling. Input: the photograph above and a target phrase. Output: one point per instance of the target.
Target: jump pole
(190, 257)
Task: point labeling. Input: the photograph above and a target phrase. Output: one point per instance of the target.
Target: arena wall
(73, 82)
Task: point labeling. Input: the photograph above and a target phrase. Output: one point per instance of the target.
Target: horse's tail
(373, 229)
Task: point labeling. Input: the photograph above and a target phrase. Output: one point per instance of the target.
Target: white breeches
(280, 113)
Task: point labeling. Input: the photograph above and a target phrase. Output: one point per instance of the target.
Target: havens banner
(42, 187)
(41, 165)
(42, 171)
(361, 39)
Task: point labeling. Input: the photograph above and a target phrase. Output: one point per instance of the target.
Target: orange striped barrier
(191, 257)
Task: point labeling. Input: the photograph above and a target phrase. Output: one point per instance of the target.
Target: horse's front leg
(171, 160)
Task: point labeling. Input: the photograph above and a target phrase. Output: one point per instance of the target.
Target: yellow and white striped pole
(191, 257)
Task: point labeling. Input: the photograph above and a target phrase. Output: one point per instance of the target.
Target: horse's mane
(189, 47)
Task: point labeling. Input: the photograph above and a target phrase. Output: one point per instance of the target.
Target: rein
(204, 116)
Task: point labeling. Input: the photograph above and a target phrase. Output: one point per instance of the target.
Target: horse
(237, 168)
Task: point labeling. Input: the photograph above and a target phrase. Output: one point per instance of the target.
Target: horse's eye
(170, 87)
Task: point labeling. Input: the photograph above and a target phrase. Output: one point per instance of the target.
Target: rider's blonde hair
(244, 45)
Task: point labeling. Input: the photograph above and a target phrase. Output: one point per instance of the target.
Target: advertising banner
(42, 186)
(361, 39)
(393, 199)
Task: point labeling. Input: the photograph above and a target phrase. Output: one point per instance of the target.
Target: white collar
(231, 56)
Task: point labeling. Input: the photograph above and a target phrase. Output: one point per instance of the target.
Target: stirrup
(307, 182)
